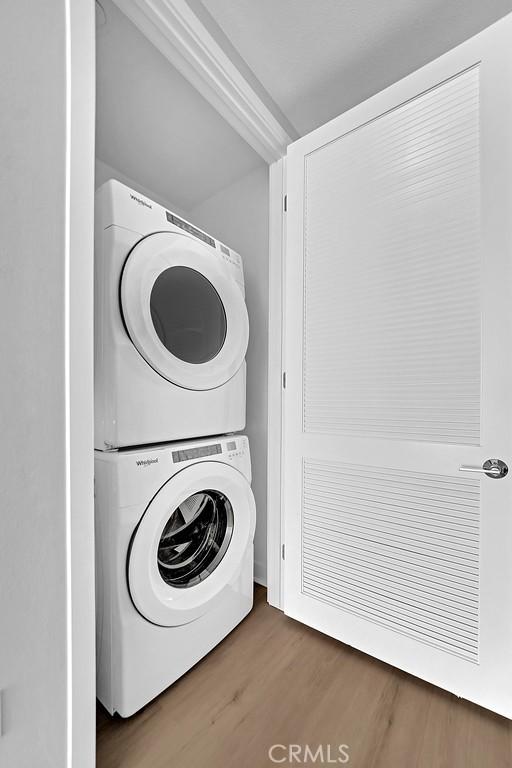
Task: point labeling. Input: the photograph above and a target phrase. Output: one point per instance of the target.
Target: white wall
(238, 216)
(153, 125)
(46, 596)
(104, 172)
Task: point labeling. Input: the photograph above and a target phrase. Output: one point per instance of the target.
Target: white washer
(174, 561)
(171, 326)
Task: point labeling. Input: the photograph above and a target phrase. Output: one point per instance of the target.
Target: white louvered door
(398, 346)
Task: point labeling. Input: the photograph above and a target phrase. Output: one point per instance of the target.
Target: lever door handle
(495, 468)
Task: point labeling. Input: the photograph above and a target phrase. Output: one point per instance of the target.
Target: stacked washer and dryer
(175, 514)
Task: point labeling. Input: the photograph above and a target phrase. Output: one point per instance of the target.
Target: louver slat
(392, 274)
(398, 549)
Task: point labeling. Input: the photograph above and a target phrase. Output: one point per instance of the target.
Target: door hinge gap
(282, 551)
(284, 379)
(285, 203)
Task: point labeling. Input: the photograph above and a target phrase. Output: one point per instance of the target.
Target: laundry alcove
(158, 135)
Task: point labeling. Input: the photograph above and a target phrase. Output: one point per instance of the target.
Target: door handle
(495, 468)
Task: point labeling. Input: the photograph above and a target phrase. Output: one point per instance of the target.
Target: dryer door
(190, 543)
(183, 311)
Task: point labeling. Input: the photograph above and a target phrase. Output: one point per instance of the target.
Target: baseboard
(260, 573)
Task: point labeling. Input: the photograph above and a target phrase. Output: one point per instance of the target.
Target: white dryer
(171, 326)
(174, 561)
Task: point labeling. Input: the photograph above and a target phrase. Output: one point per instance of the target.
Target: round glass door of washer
(195, 539)
(191, 542)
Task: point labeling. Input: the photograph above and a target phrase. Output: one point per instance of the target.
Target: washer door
(183, 312)
(190, 543)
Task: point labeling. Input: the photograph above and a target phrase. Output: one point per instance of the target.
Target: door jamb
(79, 228)
(277, 238)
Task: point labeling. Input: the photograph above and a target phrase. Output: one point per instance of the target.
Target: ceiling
(153, 127)
(318, 58)
(308, 61)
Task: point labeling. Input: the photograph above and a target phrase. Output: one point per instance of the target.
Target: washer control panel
(187, 454)
(231, 448)
(159, 463)
(235, 448)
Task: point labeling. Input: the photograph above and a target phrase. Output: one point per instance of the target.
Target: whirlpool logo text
(140, 201)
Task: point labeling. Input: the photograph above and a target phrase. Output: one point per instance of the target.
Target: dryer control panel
(120, 206)
(182, 224)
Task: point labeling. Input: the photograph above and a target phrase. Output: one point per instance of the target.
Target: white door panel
(398, 327)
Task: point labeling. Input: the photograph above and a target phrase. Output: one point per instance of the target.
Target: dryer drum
(195, 538)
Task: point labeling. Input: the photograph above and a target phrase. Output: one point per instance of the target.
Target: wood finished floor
(275, 681)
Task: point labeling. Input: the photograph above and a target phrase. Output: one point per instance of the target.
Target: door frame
(276, 380)
(78, 267)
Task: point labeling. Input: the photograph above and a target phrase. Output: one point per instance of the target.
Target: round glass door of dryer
(195, 538)
(191, 542)
(188, 315)
(184, 311)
